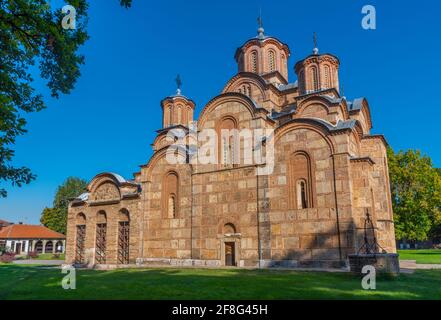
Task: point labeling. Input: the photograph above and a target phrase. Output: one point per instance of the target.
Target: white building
(21, 239)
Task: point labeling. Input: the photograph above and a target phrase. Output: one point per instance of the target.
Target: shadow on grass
(196, 284)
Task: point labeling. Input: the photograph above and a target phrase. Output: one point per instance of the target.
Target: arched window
(228, 142)
(272, 61)
(171, 195)
(314, 78)
(300, 181)
(59, 247)
(179, 115)
(39, 247)
(249, 91)
(253, 61)
(80, 246)
(101, 238)
(302, 81)
(283, 59)
(123, 237)
(170, 112)
(302, 195)
(327, 75)
(49, 248)
(166, 117)
(172, 205)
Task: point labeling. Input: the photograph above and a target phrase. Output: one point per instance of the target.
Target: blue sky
(108, 122)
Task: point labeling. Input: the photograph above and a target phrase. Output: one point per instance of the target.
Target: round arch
(81, 219)
(124, 215)
(305, 123)
(228, 98)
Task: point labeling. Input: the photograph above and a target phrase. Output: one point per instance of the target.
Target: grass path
(24, 282)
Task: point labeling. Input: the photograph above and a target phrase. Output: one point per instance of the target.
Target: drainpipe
(259, 245)
(336, 208)
(191, 212)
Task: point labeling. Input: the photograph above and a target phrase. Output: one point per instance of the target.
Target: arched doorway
(123, 237)
(230, 245)
(39, 247)
(59, 248)
(49, 248)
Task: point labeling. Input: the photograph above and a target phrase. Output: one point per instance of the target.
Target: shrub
(32, 254)
(7, 257)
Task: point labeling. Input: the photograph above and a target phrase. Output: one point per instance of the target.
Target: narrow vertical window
(302, 81)
(228, 142)
(80, 245)
(124, 237)
(225, 150)
(171, 196)
(172, 206)
(253, 61)
(327, 77)
(179, 116)
(301, 181)
(271, 61)
(101, 238)
(302, 196)
(170, 112)
(314, 79)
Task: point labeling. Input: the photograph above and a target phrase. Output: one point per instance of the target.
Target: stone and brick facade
(329, 170)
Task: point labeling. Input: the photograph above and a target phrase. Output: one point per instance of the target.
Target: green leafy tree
(416, 194)
(70, 189)
(56, 218)
(31, 34)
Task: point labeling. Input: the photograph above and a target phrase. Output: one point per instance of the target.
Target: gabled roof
(23, 231)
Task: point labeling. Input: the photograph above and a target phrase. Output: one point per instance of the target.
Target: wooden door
(230, 255)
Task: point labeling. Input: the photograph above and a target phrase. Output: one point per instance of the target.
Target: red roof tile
(23, 231)
(4, 223)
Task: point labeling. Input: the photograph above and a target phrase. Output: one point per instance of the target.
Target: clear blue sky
(133, 56)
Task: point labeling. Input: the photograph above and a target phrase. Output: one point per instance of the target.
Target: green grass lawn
(46, 256)
(432, 256)
(32, 282)
(49, 256)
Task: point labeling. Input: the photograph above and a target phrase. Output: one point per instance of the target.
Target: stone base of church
(264, 264)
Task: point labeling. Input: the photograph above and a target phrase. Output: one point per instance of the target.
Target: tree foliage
(56, 218)
(31, 35)
(416, 194)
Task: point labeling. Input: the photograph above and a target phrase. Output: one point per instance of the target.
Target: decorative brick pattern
(191, 218)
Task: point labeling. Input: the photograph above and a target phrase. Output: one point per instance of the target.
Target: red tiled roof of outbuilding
(23, 231)
(4, 223)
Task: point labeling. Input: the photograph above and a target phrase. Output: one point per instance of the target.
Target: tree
(416, 194)
(56, 218)
(70, 189)
(31, 32)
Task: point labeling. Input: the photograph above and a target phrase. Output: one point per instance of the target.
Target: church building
(330, 173)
